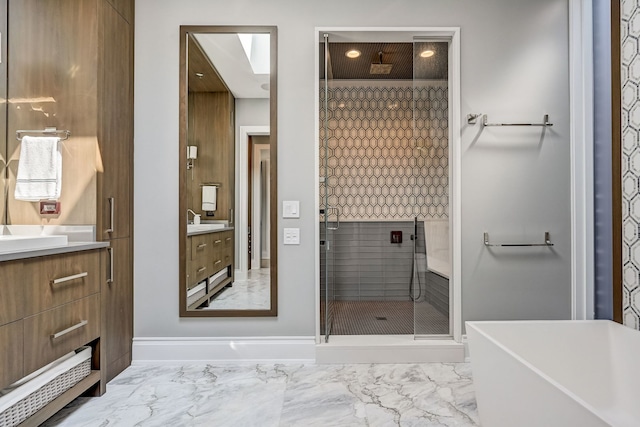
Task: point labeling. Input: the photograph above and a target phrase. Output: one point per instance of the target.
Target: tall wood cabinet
(115, 183)
(70, 66)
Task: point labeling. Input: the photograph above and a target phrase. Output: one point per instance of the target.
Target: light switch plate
(291, 209)
(291, 236)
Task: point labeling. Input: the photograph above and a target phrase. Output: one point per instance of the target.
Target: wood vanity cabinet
(50, 306)
(208, 254)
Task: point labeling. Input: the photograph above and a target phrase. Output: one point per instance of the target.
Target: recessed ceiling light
(427, 53)
(199, 75)
(353, 53)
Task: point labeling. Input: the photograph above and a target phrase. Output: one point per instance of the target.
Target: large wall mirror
(228, 209)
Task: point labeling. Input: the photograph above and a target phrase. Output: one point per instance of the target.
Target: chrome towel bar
(472, 120)
(547, 242)
(47, 131)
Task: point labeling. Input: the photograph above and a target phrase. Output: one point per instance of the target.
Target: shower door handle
(333, 208)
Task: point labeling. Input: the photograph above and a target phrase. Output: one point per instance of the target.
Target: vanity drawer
(55, 332)
(11, 361)
(199, 270)
(11, 291)
(59, 279)
(201, 246)
(227, 238)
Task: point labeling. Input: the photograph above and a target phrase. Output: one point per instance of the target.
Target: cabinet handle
(228, 238)
(69, 329)
(217, 262)
(112, 202)
(110, 278)
(68, 278)
(230, 216)
(217, 241)
(201, 245)
(201, 269)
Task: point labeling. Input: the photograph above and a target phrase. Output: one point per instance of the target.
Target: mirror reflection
(228, 171)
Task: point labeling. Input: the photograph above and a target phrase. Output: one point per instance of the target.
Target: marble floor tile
(254, 293)
(432, 394)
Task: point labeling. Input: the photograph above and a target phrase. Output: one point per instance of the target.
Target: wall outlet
(50, 208)
(291, 236)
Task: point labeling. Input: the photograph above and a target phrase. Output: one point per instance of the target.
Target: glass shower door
(329, 214)
(431, 287)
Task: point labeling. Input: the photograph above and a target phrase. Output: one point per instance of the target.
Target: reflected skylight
(256, 47)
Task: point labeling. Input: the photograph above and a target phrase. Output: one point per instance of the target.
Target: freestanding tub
(555, 373)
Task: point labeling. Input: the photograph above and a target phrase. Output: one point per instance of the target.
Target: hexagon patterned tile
(630, 33)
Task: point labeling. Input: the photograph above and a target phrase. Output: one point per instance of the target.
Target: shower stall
(385, 251)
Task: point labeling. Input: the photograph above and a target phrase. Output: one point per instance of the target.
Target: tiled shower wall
(377, 170)
(630, 33)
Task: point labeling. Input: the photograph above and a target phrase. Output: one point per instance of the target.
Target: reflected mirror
(227, 158)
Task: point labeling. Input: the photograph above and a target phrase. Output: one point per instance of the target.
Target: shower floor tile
(387, 318)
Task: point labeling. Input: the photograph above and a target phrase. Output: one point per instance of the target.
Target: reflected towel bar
(65, 134)
(472, 119)
(547, 242)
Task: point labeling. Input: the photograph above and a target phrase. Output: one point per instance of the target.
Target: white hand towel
(209, 196)
(39, 169)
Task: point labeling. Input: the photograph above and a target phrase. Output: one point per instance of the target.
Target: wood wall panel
(52, 74)
(211, 130)
(125, 8)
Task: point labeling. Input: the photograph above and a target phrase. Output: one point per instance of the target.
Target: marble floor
(430, 394)
(250, 294)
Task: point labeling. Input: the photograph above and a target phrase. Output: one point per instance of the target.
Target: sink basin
(193, 228)
(20, 243)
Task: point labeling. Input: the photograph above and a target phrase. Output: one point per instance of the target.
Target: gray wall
(514, 67)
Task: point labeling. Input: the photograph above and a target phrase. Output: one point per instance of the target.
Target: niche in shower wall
(377, 170)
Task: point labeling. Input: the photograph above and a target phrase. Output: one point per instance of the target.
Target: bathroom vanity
(209, 262)
(50, 305)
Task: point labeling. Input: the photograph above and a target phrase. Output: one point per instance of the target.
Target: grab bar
(547, 242)
(472, 119)
(330, 208)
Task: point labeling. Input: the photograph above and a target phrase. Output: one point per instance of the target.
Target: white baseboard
(226, 349)
(387, 349)
(240, 275)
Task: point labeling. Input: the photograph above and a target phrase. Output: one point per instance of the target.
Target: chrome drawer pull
(228, 238)
(217, 241)
(217, 262)
(72, 328)
(68, 278)
(112, 202)
(201, 245)
(110, 278)
(201, 269)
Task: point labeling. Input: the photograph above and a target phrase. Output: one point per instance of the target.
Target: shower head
(380, 68)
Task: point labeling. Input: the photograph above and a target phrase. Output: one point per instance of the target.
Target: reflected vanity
(228, 209)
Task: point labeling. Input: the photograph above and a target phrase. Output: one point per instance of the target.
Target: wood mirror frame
(185, 33)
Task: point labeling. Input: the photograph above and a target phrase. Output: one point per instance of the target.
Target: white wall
(514, 67)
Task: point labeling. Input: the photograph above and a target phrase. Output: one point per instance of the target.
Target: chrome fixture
(547, 242)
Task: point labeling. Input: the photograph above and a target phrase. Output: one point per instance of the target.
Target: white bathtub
(555, 373)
